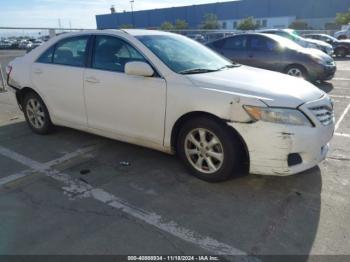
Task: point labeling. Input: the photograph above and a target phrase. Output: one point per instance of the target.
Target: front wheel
(208, 149)
(297, 71)
(36, 114)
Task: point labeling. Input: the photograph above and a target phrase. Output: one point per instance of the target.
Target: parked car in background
(276, 53)
(198, 37)
(307, 43)
(14, 44)
(34, 44)
(24, 44)
(344, 33)
(341, 47)
(5, 44)
(211, 36)
(170, 93)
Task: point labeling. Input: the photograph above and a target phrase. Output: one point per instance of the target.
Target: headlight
(277, 115)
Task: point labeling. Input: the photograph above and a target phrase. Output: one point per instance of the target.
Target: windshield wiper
(230, 66)
(206, 70)
(197, 71)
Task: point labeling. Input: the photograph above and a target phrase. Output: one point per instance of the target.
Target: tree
(299, 25)
(210, 21)
(126, 26)
(248, 24)
(167, 26)
(343, 18)
(181, 24)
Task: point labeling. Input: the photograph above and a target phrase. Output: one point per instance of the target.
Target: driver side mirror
(138, 69)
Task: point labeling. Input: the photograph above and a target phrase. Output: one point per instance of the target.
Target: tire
(340, 52)
(218, 142)
(297, 71)
(36, 114)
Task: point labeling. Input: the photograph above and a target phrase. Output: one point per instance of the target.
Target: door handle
(92, 80)
(38, 71)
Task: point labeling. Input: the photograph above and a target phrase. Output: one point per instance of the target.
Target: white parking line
(340, 96)
(50, 164)
(71, 155)
(341, 79)
(342, 117)
(73, 187)
(14, 177)
(342, 134)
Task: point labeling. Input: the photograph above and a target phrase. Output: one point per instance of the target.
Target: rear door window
(236, 43)
(47, 56)
(259, 43)
(71, 51)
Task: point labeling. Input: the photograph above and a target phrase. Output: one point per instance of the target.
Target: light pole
(132, 12)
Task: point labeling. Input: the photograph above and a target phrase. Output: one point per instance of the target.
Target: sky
(73, 13)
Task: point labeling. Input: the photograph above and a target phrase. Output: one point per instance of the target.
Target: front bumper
(323, 72)
(269, 145)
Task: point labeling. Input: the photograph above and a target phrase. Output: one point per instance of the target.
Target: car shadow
(261, 215)
(325, 86)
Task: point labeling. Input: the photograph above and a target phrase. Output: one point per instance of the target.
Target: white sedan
(167, 92)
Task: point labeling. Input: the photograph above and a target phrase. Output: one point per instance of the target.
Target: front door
(131, 106)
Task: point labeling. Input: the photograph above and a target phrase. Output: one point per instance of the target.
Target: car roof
(139, 32)
(274, 37)
(133, 32)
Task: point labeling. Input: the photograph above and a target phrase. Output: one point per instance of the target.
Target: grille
(324, 114)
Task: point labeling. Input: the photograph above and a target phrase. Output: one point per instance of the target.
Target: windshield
(285, 42)
(183, 55)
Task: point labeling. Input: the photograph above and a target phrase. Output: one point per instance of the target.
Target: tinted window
(218, 43)
(258, 43)
(112, 53)
(71, 51)
(235, 43)
(46, 57)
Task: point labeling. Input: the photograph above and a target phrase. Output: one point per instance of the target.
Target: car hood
(274, 89)
(316, 53)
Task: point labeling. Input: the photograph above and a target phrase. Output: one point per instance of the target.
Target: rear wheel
(36, 114)
(208, 149)
(296, 71)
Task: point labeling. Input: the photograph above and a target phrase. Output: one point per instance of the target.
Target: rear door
(58, 77)
(263, 52)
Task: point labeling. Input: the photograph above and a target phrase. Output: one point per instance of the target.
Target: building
(269, 13)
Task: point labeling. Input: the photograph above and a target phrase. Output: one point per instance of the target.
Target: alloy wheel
(204, 150)
(295, 72)
(35, 113)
